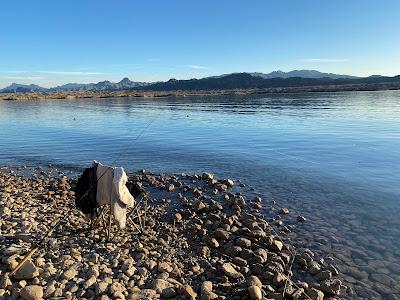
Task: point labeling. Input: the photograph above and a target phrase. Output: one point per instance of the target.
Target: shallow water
(333, 157)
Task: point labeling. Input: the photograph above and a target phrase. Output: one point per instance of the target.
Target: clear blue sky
(54, 42)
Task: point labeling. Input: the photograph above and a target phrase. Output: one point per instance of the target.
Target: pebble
(254, 280)
(230, 271)
(277, 245)
(221, 234)
(323, 275)
(207, 176)
(255, 292)
(301, 219)
(243, 242)
(69, 274)
(102, 287)
(213, 243)
(230, 182)
(32, 292)
(178, 217)
(331, 286)
(88, 283)
(315, 294)
(27, 271)
(168, 293)
(284, 211)
(159, 285)
(189, 292)
(164, 267)
(5, 281)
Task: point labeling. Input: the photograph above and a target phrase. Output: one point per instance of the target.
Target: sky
(48, 42)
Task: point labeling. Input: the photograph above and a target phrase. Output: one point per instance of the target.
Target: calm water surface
(333, 157)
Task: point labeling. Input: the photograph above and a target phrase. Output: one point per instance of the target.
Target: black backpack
(85, 191)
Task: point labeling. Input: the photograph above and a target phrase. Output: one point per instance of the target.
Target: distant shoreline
(70, 95)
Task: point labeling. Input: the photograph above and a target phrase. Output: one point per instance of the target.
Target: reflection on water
(333, 157)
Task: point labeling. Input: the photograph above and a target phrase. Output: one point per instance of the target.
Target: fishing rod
(63, 217)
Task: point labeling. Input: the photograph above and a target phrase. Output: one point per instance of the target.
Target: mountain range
(296, 78)
(124, 84)
(23, 88)
(300, 73)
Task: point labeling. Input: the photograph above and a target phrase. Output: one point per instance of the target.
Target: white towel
(111, 189)
(122, 197)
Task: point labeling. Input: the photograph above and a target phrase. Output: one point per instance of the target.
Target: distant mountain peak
(301, 73)
(277, 72)
(106, 85)
(125, 80)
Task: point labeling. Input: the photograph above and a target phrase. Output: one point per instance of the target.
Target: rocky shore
(202, 239)
(70, 95)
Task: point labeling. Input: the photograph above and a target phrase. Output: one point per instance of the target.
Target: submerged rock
(315, 294)
(284, 211)
(332, 286)
(207, 176)
(301, 219)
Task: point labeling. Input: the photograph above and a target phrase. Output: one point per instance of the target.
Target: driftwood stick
(24, 260)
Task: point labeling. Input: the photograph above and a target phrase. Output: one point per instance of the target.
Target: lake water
(332, 157)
